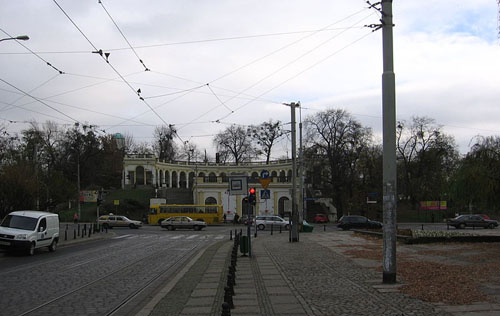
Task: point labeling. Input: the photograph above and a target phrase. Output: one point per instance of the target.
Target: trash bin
(244, 245)
(306, 227)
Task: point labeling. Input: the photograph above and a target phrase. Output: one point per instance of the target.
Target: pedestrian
(236, 217)
(75, 218)
(224, 218)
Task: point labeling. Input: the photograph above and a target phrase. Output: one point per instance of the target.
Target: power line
(123, 35)
(35, 98)
(6, 108)
(105, 57)
(194, 41)
(301, 72)
(32, 52)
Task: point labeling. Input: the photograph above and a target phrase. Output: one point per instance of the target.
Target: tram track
(170, 264)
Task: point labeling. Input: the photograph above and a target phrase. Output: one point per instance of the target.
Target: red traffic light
(252, 191)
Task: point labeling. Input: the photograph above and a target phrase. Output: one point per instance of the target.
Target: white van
(29, 230)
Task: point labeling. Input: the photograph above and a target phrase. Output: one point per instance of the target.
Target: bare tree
(266, 135)
(336, 142)
(234, 144)
(164, 145)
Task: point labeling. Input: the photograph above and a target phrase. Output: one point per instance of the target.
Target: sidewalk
(282, 278)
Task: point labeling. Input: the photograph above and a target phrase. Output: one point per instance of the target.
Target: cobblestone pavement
(311, 277)
(95, 280)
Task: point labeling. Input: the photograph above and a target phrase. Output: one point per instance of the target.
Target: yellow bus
(210, 214)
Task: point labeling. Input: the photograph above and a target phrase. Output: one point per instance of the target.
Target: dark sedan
(464, 221)
(356, 221)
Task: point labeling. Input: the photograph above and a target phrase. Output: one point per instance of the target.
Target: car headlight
(21, 236)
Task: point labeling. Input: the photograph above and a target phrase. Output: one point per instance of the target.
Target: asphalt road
(109, 276)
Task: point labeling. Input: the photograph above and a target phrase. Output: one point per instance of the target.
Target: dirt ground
(448, 273)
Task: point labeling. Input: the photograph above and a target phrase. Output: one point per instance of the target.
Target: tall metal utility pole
(295, 213)
(389, 146)
(302, 208)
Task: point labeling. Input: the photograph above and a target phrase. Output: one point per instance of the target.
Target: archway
(182, 180)
(139, 175)
(174, 179)
(282, 207)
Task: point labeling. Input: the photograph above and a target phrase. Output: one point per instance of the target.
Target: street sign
(264, 174)
(238, 185)
(265, 182)
(265, 194)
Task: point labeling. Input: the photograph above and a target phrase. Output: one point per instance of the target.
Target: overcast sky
(215, 63)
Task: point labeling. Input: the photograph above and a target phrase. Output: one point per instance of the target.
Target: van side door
(42, 236)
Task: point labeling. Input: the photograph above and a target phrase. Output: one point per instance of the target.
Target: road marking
(192, 236)
(120, 237)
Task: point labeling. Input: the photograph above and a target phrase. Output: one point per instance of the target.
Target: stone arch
(282, 177)
(281, 206)
(211, 201)
(182, 180)
(254, 178)
(174, 179)
(167, 179)
(212, 177)
(191, 179)
(224, 177)
(139, 175)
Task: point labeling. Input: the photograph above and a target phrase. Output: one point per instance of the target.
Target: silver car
(182, 222)
(111, 220)
(264, 222)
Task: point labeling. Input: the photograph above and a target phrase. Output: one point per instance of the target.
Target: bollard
(74, 233)
(66, 233)
(272, 228)
(226, 309)
(230, 282)
(231, 235)
(228, 298)
(324, 228)
(422, 226)
(78, 229)
(84, 229)
(90, 232)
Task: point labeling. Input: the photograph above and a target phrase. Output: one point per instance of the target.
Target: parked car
(29, 230)
(182, 222)
(320, 218)
(264, 222)
(355, 221)
(483, 216)
(111, 220)
(474, 220)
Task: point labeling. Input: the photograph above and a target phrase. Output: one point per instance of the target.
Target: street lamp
(20, 38)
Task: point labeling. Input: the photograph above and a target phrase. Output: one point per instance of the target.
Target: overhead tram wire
(123, 35)
(265, 56)
(301, 72)
(6, 108)
(189, 42)
(35, 98)
(76, 89)
(278, 70)
(292, 43)
(105, 58)
(32, 52)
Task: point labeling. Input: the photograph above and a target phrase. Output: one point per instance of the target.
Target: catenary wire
(123, 35)
(37, 55)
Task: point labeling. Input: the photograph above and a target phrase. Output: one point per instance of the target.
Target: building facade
(209, 182)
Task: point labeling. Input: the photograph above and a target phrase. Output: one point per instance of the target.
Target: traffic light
(252, 199)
